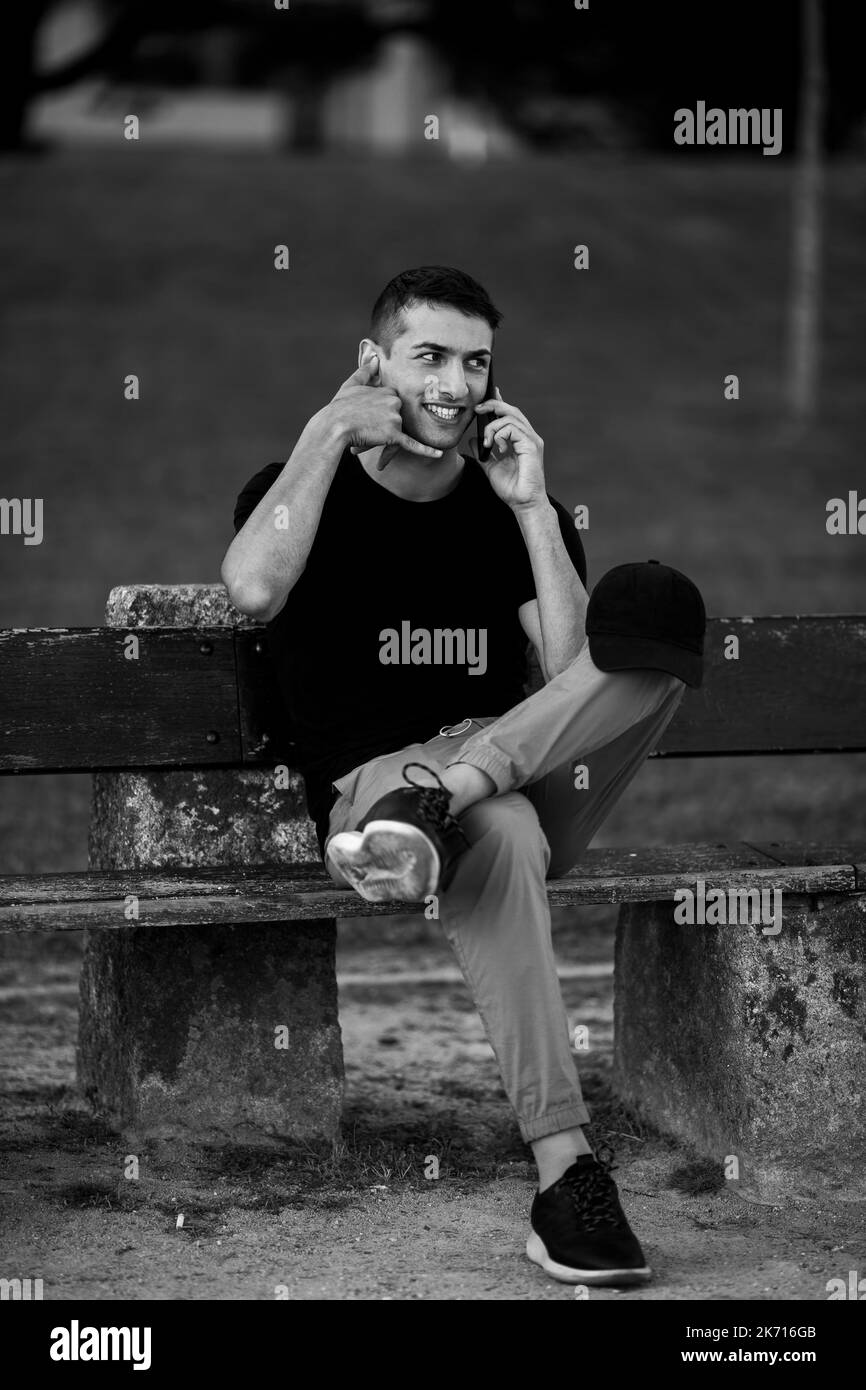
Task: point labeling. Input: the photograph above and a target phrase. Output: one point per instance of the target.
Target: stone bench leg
(213, 1034)
(750, 1046)
(178, 1026)
(208, 1033)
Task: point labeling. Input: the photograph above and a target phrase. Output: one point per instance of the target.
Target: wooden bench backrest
(72, 700)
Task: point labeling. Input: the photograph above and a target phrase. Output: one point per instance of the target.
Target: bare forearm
(269, 553)
(562, 599)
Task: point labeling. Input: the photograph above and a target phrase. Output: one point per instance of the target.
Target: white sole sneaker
(388, 861)
(537, 1252)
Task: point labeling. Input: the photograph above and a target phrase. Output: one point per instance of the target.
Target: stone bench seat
(177, 897)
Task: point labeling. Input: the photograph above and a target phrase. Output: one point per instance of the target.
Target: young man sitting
(387, 557)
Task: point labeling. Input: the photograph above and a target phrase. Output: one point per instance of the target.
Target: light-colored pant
(495, 912)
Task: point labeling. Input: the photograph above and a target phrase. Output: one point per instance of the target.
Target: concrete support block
(750, 1046)
(222, 1034)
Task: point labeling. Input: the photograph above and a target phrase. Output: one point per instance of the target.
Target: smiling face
(438, 366)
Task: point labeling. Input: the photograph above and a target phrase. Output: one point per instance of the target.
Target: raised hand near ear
(367, 414)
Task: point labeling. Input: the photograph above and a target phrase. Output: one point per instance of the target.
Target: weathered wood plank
(675, 859)
(94, 884)
(638, 888)
(265, 731)
(799, 685)
(305, 892)
(799, 852)
(72, 700)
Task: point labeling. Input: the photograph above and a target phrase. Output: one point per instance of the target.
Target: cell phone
(482, 421)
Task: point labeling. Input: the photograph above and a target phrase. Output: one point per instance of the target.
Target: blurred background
(306, 124)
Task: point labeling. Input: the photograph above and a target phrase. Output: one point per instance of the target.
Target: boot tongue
(582, 1164)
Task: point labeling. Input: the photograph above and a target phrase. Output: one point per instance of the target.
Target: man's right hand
(368, 414)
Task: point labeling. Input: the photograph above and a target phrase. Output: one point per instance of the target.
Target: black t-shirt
(388, 580)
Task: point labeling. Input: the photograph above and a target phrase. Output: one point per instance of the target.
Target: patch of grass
(211, 1186)
(357, 1162)
(206, 1211)
(454, 1088)
(84, 1131)
(32, 1095)
(612, 1122)
(206, 1181)
(101, 1194)
(696, 1176)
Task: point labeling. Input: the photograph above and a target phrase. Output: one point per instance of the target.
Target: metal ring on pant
(452, 730)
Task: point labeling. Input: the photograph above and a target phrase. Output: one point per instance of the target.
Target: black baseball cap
(647, 615)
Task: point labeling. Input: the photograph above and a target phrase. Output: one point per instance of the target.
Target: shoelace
(434, 801)
(593, 1193)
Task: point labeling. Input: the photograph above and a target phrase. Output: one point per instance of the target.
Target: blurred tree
(806, 222)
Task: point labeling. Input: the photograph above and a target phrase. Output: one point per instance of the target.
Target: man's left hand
(515, 469)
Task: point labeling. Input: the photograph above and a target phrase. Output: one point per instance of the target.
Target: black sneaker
(579, 1231)
(405, 848)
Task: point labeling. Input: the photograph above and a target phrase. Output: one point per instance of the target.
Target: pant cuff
(491, 762)
(566, 1117)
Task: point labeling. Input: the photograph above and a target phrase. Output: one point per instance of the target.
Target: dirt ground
(363, 1221)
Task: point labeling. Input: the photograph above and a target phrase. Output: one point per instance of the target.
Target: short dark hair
(429, 284)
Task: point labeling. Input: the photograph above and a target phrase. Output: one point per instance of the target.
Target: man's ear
(366, 349)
